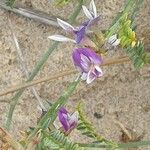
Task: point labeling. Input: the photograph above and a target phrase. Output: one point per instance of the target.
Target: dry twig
(65, 73)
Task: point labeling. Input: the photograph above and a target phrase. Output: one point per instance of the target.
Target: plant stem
(73, 17)
(120, 146)
(58, 75)
(51, 114)
(23, 64)
(31, 77)
(37, 69)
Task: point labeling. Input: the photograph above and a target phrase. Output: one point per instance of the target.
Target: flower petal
(87, 12)
(84, 76)
(112, 39)
(117, 42)
(80, 34)
(61, 38)
(90, 77)
(93, 21)
(92, 8)
(74, 119)
(66, 26)
(62, 115)
(98, 71)
(85, 62)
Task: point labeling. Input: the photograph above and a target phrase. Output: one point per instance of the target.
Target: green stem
(37, 68)
(120, 146)
(73, 17)
(51, 114)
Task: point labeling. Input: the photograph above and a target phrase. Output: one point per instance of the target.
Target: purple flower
(77, 32)
(69, 122)
(87, 61)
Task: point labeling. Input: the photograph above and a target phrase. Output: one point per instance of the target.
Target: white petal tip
(66, 26)
(61, 38)
(87, 12)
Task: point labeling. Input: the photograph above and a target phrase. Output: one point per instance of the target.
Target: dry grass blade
(65, 73)
(35, 15)
(50, 78)
(23, 64)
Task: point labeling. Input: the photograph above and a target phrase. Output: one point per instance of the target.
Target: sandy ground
(122, 93)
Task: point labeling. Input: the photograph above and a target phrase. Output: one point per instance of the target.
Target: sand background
(122, 93)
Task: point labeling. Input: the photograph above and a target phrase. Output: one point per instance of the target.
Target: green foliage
(87, 129)
(137, 55)
(9, 2)
(55, 140)
(61, 2)
(124, 25)
(125, 33)
(131, 7)
(51, 115)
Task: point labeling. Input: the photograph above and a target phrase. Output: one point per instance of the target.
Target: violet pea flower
(77, 32)
(69, 122)
(87, 62)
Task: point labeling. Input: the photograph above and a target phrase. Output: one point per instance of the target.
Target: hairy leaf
(57, 140)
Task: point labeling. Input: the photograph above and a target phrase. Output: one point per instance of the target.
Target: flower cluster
(84, 57)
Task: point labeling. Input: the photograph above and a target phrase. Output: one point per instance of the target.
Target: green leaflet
(61, 2)
(55, 140)
(125, 33)
(87, 129)
(137, 55)
(9, 2)
(131, 7)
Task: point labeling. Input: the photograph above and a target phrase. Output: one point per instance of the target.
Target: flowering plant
(88, 57)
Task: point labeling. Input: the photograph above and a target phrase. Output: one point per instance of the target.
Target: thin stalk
(51, 114)
(120, 146)
(33, 14)
(16, 97)
(36, 70)
(73, 16)
(23, 64)
(58, 75)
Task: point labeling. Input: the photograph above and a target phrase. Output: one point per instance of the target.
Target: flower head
(77, 32)
(69, 122)
(87, 61)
